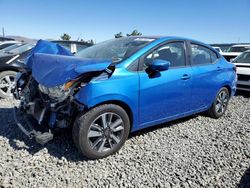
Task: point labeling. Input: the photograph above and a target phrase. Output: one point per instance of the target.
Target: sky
(210, 21)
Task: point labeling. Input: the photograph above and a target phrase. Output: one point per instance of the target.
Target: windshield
(243, 58)
(237, 49)
(21, 49)
(12, 47)
(115, 49)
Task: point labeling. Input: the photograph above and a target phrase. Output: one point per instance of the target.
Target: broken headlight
(59, 93)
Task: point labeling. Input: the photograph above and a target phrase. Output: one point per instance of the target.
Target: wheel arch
(229, 89)
(123, 105)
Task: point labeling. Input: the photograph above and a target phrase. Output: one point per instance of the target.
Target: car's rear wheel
(101, 131)
(7, 79)
(220, 103)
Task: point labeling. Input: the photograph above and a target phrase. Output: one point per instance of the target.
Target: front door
(165, 95)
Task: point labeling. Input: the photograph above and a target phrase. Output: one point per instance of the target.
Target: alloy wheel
(105, 132)
(7, 84)
(221, 102)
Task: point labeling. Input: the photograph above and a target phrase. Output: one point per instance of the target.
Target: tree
(91, 41)
(134, 33)
(118, 35)
(65, 36)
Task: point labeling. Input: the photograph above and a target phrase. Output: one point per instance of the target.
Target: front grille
(243, 77)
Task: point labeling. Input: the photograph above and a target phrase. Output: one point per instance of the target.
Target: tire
(101, 131)
(220, 103)
(6, 83)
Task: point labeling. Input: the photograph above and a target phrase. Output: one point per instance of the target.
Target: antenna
(78, 37)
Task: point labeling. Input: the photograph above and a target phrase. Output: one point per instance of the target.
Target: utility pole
(3, 31)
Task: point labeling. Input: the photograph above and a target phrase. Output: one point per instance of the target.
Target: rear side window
(201, 55)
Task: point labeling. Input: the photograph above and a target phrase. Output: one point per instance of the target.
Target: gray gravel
(192, 152)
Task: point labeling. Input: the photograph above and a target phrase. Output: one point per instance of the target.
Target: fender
(94, 94)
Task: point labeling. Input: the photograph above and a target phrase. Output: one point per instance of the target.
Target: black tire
(84, 121)
(4, 93)
(213, 111)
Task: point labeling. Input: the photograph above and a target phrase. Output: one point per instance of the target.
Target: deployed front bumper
(28, 129)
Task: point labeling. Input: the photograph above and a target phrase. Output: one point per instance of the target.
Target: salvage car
(242, 63)
(120, 86)
(9, 66)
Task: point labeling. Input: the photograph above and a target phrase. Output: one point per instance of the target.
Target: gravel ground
(192, 152)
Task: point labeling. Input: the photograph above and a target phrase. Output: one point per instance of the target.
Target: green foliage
(118, 35)
(134, 33)
(65, 36)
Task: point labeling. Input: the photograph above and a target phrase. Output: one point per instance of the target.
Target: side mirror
(159, 65)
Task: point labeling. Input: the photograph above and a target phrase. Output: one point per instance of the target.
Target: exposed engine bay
(49, 109)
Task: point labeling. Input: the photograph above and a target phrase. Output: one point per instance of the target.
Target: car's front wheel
(101, 131)
(220, 103)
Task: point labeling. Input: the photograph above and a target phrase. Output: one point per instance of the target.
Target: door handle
(185, 77)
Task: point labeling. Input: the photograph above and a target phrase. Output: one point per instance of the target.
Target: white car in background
(242, 63)
(235, 50)
(218, 49)
(6, 44)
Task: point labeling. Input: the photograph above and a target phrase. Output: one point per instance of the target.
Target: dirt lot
(196, 151)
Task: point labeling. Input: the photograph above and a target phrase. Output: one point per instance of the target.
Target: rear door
(206, 77)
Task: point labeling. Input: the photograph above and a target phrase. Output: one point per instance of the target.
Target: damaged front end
(46, 92)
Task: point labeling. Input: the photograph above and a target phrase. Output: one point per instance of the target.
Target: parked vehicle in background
(6, 50)
(235, 50)
(218, 49)
(73, 46)
(6, 44)
(223, 47)
(10, 64)
(5, 39)
(119, 86)
(242, 63)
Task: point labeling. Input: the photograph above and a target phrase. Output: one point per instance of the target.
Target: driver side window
(173, 52)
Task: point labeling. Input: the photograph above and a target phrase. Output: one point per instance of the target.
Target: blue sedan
(121, 86)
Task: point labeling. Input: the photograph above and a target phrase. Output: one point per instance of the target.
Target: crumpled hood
(53, 65)
(46, 47)
(52, 70)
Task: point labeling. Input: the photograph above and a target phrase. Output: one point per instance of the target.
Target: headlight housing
(58, 92)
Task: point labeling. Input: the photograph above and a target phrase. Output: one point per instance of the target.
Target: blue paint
(151, 100)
